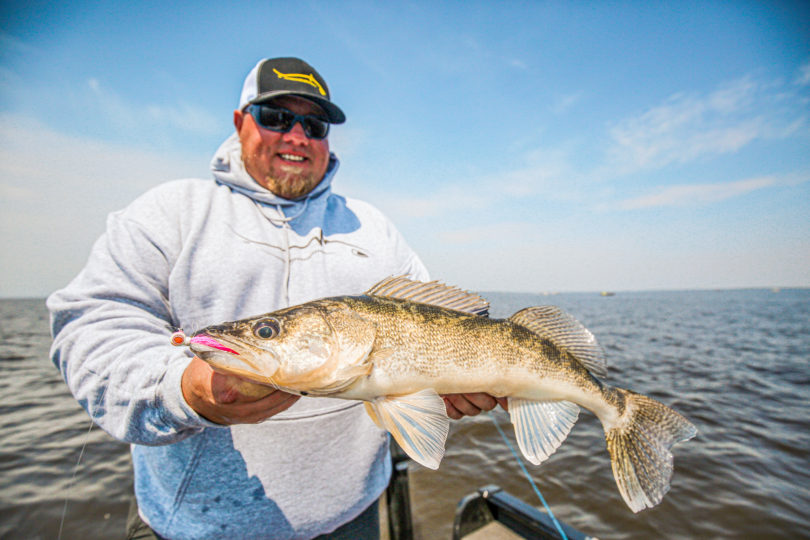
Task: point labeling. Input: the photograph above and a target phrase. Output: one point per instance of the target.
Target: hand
(460, 405)
(226, 399)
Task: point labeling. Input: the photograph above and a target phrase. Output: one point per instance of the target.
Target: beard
(289, 184)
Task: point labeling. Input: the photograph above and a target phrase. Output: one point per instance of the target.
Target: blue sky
(519, 146)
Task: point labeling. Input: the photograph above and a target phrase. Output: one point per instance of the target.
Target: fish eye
(266, 329)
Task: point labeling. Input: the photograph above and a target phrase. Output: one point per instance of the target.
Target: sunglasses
(282, 120)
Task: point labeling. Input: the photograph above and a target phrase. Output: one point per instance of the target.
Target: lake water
(736, 363)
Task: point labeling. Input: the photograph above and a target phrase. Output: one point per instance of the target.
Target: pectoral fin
(541, 426)
(418, 422)
(373, 415)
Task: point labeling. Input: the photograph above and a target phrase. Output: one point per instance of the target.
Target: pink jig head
(179, 338)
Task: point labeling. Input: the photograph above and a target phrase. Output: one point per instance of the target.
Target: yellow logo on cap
(300, 77)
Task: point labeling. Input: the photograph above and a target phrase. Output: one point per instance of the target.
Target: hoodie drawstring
(283, 222)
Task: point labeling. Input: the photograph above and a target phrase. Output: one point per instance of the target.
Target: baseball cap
(273, 77)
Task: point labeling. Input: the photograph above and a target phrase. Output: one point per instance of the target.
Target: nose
(296, 135)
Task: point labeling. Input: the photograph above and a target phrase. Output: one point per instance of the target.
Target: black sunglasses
(283, 120)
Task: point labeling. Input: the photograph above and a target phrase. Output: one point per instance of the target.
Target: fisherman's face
(288, 164)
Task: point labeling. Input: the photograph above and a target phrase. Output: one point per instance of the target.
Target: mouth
(227, 360)
(295, 159)
(204, 343)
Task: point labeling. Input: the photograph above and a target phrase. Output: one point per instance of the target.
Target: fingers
(254, 412)
(229, 389)
(460, 405)
(249, 412)
(220, 398)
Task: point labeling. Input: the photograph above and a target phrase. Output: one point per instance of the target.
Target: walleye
(403, 343)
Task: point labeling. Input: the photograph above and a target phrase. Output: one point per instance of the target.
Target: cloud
(42, 160)
(55, 192)
(490, 234)
(152, 118)
(15, 193)
(564, 103)
(12, 45)
(687, 127)
(682, 129)
(544, 173)
(452, 198)
(517, 63)
(687, 195)
(803, 75)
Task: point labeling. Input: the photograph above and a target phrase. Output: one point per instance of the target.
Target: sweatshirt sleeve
(111, 328)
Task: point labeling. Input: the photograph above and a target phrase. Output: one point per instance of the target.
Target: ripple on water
(734, 362)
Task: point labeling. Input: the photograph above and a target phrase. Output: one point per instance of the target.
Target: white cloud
(687, 127)
(485, 234)
(803, 75)
(683, 195)
(11, 44)
(346, 141)
(452, 198)
(684, 128)
(468, 196)
(517, 63)
(129, 116)
(564, 103)
(13, 194)
(546, 172)
(55, 192)
(36, 157)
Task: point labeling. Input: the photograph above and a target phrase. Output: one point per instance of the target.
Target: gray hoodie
(190, 253)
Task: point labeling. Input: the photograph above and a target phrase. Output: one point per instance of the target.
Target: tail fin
(639, 449)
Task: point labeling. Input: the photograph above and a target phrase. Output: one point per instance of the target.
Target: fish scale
(450, 341)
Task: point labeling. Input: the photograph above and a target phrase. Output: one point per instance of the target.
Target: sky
(518, 146)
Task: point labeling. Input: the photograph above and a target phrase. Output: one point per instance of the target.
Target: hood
(229, 170)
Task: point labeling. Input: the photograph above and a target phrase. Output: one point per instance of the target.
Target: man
(267, 233)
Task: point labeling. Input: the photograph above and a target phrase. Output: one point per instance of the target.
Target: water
(734, 362)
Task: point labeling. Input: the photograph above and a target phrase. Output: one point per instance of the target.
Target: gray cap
(274, 77)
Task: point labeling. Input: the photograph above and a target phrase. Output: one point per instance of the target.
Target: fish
(403, 344)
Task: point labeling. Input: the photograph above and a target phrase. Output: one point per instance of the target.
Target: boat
(487, 513)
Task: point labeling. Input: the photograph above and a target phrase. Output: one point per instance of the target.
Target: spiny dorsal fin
(433, 293)
(566, 332)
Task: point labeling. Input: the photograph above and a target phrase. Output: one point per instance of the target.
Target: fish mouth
(223, 358)
(204, 342)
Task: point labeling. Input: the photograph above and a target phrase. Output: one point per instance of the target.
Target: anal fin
(418, 422)
(541, 426)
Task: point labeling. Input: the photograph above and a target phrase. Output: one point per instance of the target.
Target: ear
(238, 118)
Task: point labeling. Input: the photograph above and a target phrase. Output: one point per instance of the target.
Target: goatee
(290, 185)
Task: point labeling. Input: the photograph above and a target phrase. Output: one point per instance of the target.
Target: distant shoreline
(774, 289)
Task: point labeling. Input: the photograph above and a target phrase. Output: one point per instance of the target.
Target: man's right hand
(217, 397)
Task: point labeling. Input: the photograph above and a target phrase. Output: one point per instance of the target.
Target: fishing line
(528, 476)
(76, 467)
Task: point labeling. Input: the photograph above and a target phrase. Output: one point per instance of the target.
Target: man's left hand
(460, 405)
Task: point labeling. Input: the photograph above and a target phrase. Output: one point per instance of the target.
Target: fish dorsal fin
(541, 426)
(565, 332)
(432, 292)
(418, 422)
